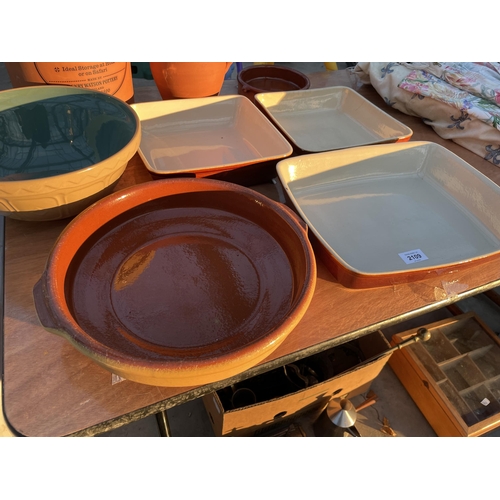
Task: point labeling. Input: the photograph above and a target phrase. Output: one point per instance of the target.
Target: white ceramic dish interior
(377, 208)
(331, 118)
(205, 134)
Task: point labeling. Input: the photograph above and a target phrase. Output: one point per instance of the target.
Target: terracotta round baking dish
(178, 282)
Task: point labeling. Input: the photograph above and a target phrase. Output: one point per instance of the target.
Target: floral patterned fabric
(466, 91)
(460, 101)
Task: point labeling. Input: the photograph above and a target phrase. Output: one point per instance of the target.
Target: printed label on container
(485, 402)
(413, 256)
(113, 78)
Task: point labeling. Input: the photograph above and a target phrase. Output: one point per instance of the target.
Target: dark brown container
(266, 78)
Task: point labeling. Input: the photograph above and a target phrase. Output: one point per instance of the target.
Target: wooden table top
(50, 389)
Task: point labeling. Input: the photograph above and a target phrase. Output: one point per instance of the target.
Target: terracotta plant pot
(181, 80)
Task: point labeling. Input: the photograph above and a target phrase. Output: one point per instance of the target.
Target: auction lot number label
(413, 256)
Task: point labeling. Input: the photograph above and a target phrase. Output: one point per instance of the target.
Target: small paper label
(413, 256)
(485, 402)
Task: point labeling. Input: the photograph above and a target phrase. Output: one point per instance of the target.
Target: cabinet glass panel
(458, 403)
(429, 364)
(467, 336)
(494, 388)
(463, 373)
(481, 402)
(488, 361)
(439, 347)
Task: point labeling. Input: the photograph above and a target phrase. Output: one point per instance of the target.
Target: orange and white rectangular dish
(394, 213)
(206, 135)
(331, 118)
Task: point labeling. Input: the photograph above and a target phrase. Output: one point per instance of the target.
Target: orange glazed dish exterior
(178, 282)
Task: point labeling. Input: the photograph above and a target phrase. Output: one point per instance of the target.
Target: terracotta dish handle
(44, 314)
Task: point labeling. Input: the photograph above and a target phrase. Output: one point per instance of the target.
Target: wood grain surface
(50, 389)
